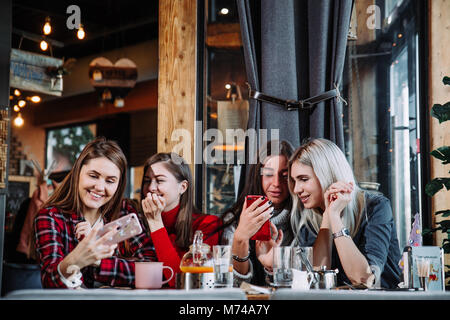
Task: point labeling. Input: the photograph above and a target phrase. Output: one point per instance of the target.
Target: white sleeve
(74, 281)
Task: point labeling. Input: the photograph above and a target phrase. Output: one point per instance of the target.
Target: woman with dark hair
(268, 178)
(167, 201)
(69, 252)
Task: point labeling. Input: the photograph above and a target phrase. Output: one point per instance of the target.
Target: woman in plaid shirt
(68, 250)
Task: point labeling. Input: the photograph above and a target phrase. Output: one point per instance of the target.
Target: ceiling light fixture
(43, 45)
(224, 11)
(47, 26)
(80, 33)
(35, 99)
(18, 121)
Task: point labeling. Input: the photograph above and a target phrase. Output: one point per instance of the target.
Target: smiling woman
(350, 229)
(69, 252)
(268, 179)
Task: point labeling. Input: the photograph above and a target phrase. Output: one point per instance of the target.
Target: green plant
(442, 113)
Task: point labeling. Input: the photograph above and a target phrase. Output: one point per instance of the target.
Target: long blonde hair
(330, 165)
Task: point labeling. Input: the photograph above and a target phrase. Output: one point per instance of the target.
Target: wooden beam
(85, 107)
(224, 35)
(177, 77)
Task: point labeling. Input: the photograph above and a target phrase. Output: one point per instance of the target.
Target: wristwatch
(344, 232)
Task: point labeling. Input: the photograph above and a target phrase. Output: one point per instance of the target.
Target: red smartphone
(128, 226)
(264, 232)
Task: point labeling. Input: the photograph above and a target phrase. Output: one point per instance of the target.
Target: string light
(47, 26)
(16, 108)
(18, 121)
(16, 92)
(81, 34)
(44, 45)
(21, 103)
(35, 99)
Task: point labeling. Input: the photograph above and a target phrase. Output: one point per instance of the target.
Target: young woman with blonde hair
(350, 229)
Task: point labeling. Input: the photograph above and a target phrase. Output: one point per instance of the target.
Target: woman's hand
(90, 250)
(82, 229)
(252, 218)
(153, 206)
(264, 249)
(337, 197)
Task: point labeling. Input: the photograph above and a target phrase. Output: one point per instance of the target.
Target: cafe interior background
(181, 65)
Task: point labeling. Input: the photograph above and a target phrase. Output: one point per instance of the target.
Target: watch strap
(342, 233)
(239, 259)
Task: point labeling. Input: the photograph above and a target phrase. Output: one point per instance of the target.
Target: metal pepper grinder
(407, 267)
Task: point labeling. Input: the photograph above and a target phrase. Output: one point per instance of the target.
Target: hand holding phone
(127, 226)
(264, 232)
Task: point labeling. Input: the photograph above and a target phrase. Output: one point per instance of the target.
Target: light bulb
(21, 103)
(97, 75)
(81, 34)
(47, 27)
(17, 92)
(35, 99)
(228, 86)
(119, 102)
(16, 108)
(44, 45)
(224, 11)
(18, 121)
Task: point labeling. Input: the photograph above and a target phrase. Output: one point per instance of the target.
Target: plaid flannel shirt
(55, 239)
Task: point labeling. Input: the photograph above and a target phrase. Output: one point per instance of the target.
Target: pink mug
(148, 275)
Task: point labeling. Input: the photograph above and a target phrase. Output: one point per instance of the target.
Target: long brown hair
(253, 185)
(178, 167)
(66, 197)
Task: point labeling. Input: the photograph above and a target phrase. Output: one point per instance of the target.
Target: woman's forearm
(240, 248)
(353, 262)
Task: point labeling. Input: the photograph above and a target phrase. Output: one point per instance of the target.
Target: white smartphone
(128, 226)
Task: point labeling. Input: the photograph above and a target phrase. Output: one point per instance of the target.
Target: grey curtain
(295, 50)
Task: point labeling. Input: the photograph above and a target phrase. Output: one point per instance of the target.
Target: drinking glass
(282, 263)
(223, 267)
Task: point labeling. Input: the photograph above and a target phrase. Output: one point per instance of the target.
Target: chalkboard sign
(19, 189)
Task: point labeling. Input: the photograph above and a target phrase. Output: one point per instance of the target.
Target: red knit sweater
(164, 239)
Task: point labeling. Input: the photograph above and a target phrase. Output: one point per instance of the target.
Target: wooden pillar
(177, 77)
(439, 66)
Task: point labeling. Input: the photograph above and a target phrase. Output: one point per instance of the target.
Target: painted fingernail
(270, 202)
(262, 198)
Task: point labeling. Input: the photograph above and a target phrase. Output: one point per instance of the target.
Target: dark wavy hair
(253, 185)
(179, 168)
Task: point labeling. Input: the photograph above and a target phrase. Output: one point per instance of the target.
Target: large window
(65, 144)
(226, 107)
(382, 120)
(381, 83)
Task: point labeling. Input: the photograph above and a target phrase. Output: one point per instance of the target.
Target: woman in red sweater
(168, 204)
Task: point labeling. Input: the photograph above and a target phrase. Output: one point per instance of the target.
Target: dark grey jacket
(376, 239)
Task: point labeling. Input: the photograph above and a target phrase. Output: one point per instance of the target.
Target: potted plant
(442, 113)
